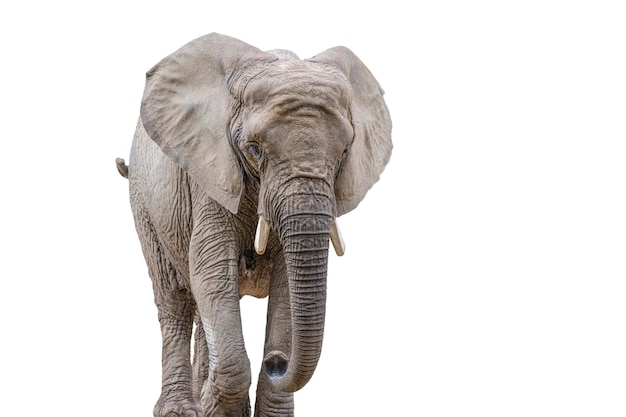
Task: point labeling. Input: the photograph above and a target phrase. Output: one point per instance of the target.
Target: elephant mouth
(263, 232)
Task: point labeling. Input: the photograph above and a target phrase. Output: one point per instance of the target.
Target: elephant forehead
(298, 84)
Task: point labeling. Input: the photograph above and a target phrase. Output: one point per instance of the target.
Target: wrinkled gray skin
(229, 133)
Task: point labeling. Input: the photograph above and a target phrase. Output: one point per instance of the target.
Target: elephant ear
(186, 110)
(371, 148)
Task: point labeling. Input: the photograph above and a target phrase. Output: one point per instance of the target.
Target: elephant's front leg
(214, 281)
(269, 401)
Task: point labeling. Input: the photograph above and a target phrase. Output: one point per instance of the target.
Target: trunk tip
(276, 363)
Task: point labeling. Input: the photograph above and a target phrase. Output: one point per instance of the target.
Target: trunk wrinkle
(302, 216)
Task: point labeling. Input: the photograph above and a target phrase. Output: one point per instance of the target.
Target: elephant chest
(254, 274)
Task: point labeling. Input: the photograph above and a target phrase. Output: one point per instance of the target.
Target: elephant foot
(227, 410)
(214, 407)
(172, 405)
(272, 404)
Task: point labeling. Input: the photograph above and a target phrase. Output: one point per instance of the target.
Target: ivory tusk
(262, 234)
(337, 239)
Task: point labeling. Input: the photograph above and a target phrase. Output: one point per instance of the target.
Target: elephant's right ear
(186, 110)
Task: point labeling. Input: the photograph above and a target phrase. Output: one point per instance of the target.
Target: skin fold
(228, 135)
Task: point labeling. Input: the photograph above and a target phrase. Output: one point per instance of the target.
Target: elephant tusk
(262, 234)
(337, 239)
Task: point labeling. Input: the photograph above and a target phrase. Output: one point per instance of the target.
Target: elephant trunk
(304, 221)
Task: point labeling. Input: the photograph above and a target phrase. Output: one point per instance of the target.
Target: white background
(484, 274)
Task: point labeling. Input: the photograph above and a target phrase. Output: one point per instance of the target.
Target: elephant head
(313, 134)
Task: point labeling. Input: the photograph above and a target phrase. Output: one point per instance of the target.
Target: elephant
(241, 161)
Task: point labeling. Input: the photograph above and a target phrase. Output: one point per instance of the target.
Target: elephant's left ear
(371, 148)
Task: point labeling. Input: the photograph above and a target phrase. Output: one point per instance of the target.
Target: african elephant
(240, 163)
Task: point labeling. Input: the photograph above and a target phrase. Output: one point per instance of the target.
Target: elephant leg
(176, 391)
(176, 309)
(270, 402)
(200, 364)
(214, 281)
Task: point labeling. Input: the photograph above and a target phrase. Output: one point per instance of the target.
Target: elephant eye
(254, 150)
